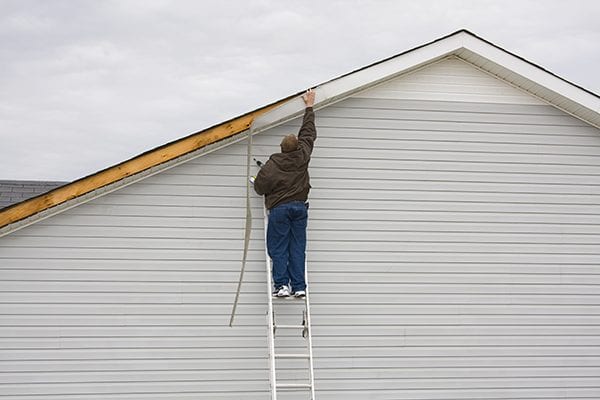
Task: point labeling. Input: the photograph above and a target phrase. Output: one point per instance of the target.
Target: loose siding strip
(453, 252)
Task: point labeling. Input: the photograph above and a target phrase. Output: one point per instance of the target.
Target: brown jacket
(284, 177)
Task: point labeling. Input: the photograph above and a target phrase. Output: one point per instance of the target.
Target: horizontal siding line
(370, 292)
(354, 378)
(176, 300)
(449, 304)
(316, 197)
(340, 157)
(431, 109)
(333, 250)
(236, 368)
(258, 335)
(170, 370)
(399, 241)
(427, 132)
(468, 222)
(318, 314)
(313, 272)
(216, 393)
(383, 231)
(458, 201)
(347, 208)
(318, 304)
(375, 262)
(424, 132)
(250, 259)
(323, 336)
(408, 336)
(431, 126)
(471, 377)
(316, 347)
(209, 217)
(367, 368)
(391, 242)
(342, 148)
(216, 228)
(446, 263)
(313, 218)
(326, 368)
(451, 121)
(318, 168)
(399, 128)
(362, 210)
(440, 115)
(228, 305)
(399, 160)
(400, 139)
(562, 272)
(569, 123)
(153, 380)
(421, 200)
(322, 347)
(240, 186)
(256, 326)
(351, 160)
(359, 200)
(262, 261)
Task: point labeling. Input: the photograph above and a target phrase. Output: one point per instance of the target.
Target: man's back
(284, 177)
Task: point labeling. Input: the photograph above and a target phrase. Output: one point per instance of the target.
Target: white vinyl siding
(454, 245)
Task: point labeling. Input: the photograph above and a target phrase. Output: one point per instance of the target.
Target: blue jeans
(286, 243)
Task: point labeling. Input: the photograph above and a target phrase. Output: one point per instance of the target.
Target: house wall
(453, 254)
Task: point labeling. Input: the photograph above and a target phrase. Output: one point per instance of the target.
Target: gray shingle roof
(12, 192)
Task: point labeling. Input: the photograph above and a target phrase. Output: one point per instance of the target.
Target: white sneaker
(283, 291)
(300, 293)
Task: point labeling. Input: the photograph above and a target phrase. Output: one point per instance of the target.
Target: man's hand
(309, 98)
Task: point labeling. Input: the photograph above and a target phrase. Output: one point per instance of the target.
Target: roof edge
(130, 167)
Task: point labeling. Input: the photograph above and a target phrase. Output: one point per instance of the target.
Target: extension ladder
(304, 328)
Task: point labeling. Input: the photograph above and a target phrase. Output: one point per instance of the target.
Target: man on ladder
(285, 183)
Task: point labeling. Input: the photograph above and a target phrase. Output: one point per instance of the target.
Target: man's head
(289, 143)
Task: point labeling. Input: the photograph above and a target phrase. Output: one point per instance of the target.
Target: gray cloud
(86, 84)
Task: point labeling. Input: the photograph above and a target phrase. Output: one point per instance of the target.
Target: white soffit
(468, 47)
(530, 77)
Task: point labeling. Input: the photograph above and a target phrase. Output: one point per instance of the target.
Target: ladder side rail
(309, 334)
(270, 318)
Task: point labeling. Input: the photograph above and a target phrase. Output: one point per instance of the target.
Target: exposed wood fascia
(131, 167)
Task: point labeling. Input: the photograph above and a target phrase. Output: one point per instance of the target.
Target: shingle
(12, 192)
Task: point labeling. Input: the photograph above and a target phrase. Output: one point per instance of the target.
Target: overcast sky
(87, 84)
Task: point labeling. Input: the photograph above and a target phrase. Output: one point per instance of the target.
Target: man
(285, 183)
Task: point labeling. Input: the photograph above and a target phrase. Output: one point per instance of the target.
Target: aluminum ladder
(304, 329)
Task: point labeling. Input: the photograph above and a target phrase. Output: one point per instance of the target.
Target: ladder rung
(289, 326)
(291, 356)
(294, 386)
